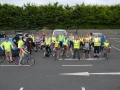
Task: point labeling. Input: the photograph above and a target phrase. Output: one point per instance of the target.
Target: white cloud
(64, 2)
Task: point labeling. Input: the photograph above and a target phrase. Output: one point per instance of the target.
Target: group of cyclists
(61, 44)
(73, 43)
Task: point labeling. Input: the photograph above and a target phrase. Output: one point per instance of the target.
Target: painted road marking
(21, 88)
(115, 48)
(14, 65)
(83, 88)
(77, 65)
(85, 59)
(88, 74)
(117, 41)
(114, 38)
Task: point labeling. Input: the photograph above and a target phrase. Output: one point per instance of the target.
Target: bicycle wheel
(31, 61)
(16, 60)
(2, 58)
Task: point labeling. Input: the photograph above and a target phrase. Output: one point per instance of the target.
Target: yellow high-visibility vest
(97, 42)
(76, 44)
(106, 44)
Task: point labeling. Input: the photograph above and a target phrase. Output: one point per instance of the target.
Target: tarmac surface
(68, 74)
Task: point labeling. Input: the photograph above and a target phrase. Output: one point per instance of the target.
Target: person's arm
(24, 51)
(2, 46)
(11, 46)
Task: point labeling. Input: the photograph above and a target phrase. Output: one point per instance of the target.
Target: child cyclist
(106, 47)
(21, 54)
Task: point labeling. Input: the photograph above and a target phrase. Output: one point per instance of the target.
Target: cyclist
(71, 38)
(21, 54)
(20, 42)
(48, 43)
(61, 37)
(53, 39)
(76, 45)
(37, 41)
(106, 47)
(65, 44)
(7, 46)
(56, 46)
(97, 43)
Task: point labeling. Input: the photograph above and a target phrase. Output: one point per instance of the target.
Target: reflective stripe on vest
(96, 42)
(106, 44)
(81, 39)
(76, 44)
(57, 44)
(65, 42)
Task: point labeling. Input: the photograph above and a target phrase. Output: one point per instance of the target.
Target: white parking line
(114, 38)
(77, 65)
(88, 74)
(115, 48)
(21, 88)
(83, 88)
(117, 41)
(14, 65)
(85, 59)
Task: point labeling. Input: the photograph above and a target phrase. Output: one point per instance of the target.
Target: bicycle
(106, 52)
(2, 57)
(62, 55)
(30, 60)
(38, 46)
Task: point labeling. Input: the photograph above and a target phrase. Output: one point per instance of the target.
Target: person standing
(7, 47)
(71, 38)
(65, 45)
(102, 38)
(81, 41)
(76, 44)
(61, 37)
(29, 43)
(20, 42)
(97, 44)
(33, 43)
(37, 41)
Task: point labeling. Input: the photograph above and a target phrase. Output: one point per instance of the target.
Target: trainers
(72, 53)
(20, 65)
(67, 56)
(8, 62)
(12, 62)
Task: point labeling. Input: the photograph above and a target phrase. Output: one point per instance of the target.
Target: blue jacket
(102, 38)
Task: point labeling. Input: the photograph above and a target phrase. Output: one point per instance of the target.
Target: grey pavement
(46, 73)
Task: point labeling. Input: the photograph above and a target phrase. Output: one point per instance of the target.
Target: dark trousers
(97, 49)
(48, 49)
(60, 43)
(71, 44)
(29, 48)
(78, 53)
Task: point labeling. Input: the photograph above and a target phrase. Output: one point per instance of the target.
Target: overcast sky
(63, 2)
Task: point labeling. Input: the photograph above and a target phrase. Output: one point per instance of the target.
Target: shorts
(8, 54)
(33, 44)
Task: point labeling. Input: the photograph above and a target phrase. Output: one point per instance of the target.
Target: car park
(2, 35)
(57, 32)
(16, 37)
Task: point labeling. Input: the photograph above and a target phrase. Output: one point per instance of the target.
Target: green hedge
(52, 16)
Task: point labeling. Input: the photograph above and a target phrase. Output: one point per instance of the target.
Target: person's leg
(7, 56)
(70, 45)
(84, 54)
(20, 60)
(95, 47)
(11, 59)
(74, 55)
(78, 54)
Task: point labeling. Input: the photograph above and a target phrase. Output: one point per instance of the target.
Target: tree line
(56, 16)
